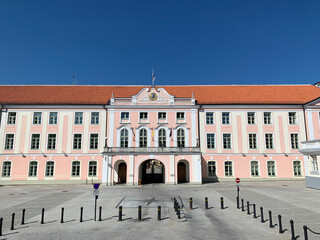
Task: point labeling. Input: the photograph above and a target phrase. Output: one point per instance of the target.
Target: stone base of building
(313, 182)
(42, 182)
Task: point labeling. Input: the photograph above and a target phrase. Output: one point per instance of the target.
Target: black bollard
(42, 216)
(238, 204)
(261, 212)
(62, 213)
(159, 213)
(120, 213)
(254, 211)
(293, 237)
(1, 220)
(305, 231)
(190, 203)
(23, 215)
(139, 213)
(206, 202)
(242, 205)
(176, 206)
(179, 212)
(81, 214)
(221, 202)
(12, 221)
(280, 224)
(270, 219)
(248, 207)
(100, 213)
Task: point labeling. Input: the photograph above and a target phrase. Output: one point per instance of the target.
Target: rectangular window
(92, 169)
(251, 118)
(52, 141)
(209, 118)
(180, 115)
(49, 169)
(37, 117)
(95, 118)
(294, 141)
(75, 169)
(124, 116)
(269, 140)
(162, 116)
(225, 118)
(267, 117)
(78, 117)
(143, 116)
(254, 169)
(12, 118)
(35, 141)
(297, 168)
(228, 169)
(6, 169)
(314, 162)
(210, 141)
(292, 118)
(227, 141)
(271, 169)
(33, 169)
(53, 118)
(77, 140)
(94, 139)
(212, 169)
(253, 141)
(9, 142)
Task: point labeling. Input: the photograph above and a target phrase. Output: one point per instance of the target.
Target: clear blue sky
(187, 42)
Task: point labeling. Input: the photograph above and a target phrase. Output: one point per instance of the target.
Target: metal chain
(313, 231)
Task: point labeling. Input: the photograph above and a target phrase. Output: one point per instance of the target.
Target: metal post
(100, 213)
(270, 219)
(62, 212)
(248, 207)
(238, 204)
(254, 211)
(23, 215)
(242, 205)
(305, 231)
(261, 212)
(190, 203)
(221, 201)
(293, 237)
(42, 216)
(1, 220)
(95, 207)
(179, 217)
(280, 224)
(159, 213)
(176, 206)
(206, 202)
(139, 213)
(120, 213)
(12, 221)
(81, 214)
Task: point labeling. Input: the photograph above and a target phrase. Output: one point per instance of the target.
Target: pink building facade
(137, 135)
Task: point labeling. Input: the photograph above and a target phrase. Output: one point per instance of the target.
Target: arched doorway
(122, 173)
(183, 171)
(152, 171)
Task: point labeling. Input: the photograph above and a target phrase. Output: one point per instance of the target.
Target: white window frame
(230, 141)
(295, 119)
(143, 119)
(96, 166)
(2, 169)
(256, 141)
(29, 165)
(45, 169)
(125, 120)
(275, 169)
(31, 149)
(214, 141)
(5, 142)
(250, 118)
(213, 117)
(50, 119)
(77, 149)
(298, 141)
(93, 119)
(38, 119)
(48, 142)
(232, 169)
(270, 119)
(265, 141)
(301, 170)
(76, 118)
(229, 118)
(79, 169)
(90, 141)
(258, 166)
(15, 118)
(215, 172)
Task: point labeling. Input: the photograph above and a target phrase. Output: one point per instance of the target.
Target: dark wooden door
(122, 173)
(182, 173)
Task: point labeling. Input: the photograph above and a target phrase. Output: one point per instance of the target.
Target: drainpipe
(305, 122)
(106, 142)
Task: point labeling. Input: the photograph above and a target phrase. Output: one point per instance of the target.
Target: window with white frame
(210, 141)
(143, 138)
(49, 169)
(143, 116)
(180, 138)
(254, 169)
(209, 118)
(124, 116)
(267, 118)
(294, 140)
(33, 169)
(228, 169)
(314, 162)
(53, 118)
(35, 141)
(124, 138)
(52, 138)
(92, 169)
(75, 172)
(77, 141)
(162, 138)
(292, 118)
(271, 168)
(94, 140)
(95, 117)
(226, 140)
(212, 169)
(251, 118)
(297, 168)
(6, 169)
(269, 140)
(78, 118)
(12, 118)
(162, 115)
(180, 116)
(252, 140)
(37, 117)
(225, 118)
(9, 142)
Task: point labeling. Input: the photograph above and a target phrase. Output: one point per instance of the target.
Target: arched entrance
(122, 173)
(183, 171)
(152, 171)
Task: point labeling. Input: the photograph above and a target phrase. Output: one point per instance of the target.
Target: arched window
(143, 139)
(33, 169)
(124, 139)
(92, 169)
(6, 169)
(49, 169)
(162, 138)
(75, 169)
(211, 169)
(180, 138)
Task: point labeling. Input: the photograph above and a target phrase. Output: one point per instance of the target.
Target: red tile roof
(231, 94)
